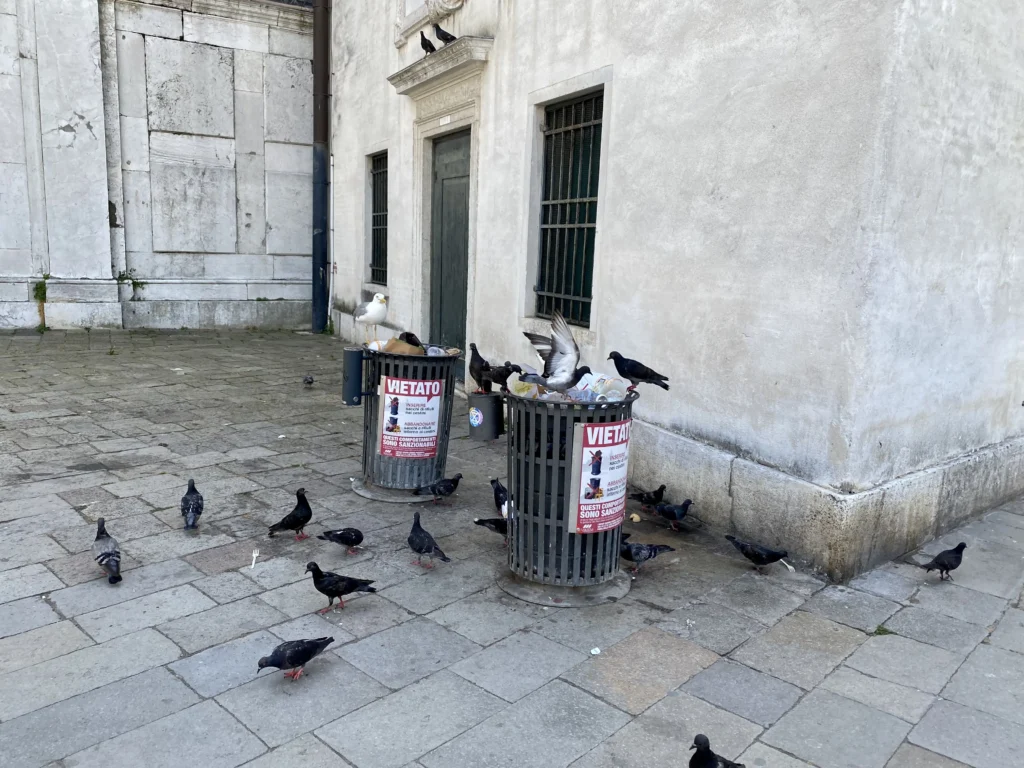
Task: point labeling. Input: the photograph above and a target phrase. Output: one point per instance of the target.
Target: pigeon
(443, 36)
(478, 369)
(410, 338)
(638, 554)
(560, 354)
(422, 543)
(649, 498)
(441, 488)
(336, 586)
(191, 506)
(347, 537)
(502, 373)
(637, 373)
(107, 553)
(426, 45)
(705, 758)
(295, 520)
(674, 513)
(496, 524)
(308, 381)
(374, 311)
(946, 561)
(500, 496)
(294, 655)
(758, 555)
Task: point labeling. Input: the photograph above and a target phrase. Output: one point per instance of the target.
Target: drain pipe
(321, 159)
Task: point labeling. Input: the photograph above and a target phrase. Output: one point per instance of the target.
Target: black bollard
(352, 377)
(486, 417)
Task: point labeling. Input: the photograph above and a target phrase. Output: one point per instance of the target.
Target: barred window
(379, 219)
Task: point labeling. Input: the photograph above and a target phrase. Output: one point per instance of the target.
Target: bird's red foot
(353, 551)
(630, 389)
(302, 536)
(416, 562)
(324, 610)
(429, 565)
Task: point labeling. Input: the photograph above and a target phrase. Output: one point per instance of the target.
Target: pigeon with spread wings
(561, 356)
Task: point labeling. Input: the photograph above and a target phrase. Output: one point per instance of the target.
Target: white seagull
(372, 312)
(560, 354)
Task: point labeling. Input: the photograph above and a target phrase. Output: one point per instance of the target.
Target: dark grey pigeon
(637, 373)
(347, 537)
(675, 513)
(443, 36)
(946, 561)
(426, 45)
(496, 524)
(295, 520)
(107, 552)
(294, 655)
(705, 758)
(500, 374)
(478, 369)
(500, 495)
(334, 585)
(441, 489)
(422, 543)
(638, 554)
(760, 556)
(561, 355)
(191, 506)
(308, 381)
(649, 498)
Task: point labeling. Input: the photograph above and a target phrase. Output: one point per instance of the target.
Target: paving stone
(25, 615)
(40, 644)
(214, 740)
(227, 587)
(600, 626)
(909, 756)
(563, 723)
(146, 484)
(220, 624)
(311, 626)
(172, 544)
(117, 509)
(82, 721)
(225, 666)
(94, 595)
(1009, 633)
(381, 616)
(80, 537)
(960, 603)
(305, 752)
(44, 504)
(905, 703)
(278, 709)
(391, 732)
(755, 597)
(801, 583)
(32, 549)
(445, 584)
(851, 607)
(867, 738)
(801, 649)
(988, 567)
(26, 581)
(762, 756)
(935, 629)
(972, 737)
(231, 557)
(277, 572)
(80, 568)
(905, 661)
(302, 598)
(81, 671)
(752, 695)
(488, 616)
(709, 625)
(662, 735)
(991, 680)
(148, 611)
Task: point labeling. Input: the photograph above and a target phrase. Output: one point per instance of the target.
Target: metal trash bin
(558, 472)
(407, 416)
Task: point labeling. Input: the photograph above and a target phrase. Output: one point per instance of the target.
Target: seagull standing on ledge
(372, 312)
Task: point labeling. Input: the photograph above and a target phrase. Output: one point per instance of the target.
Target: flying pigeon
(560, 354)
(347, 537)
(191, 506)
(674, 513)
(496, 524)
(649, 498)
(638, 554)
(308, 381)
(478, 369)
(295, 520)
(636, 372)
(410, 338)
(426, 45)
(444, 37)
(758, 555)
(336, 586)
(502, 373)
(705, 758)
(374, 311)
(107, 553)
(294, 655)
(422, 543)
(500, 496)
(946, 561)
(441, 489)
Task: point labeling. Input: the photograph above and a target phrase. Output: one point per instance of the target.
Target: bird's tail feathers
(366, 588)
(441, 555)
(531, 378)
(661, 384)
(663, 548)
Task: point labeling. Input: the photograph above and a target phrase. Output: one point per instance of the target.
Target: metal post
(321, 140)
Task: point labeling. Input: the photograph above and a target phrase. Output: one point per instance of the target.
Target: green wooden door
(449, 257)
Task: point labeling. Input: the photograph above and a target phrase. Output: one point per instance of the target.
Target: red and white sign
(600, 461)
(410, 413)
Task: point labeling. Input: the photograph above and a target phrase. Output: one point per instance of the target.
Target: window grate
(379, 219)
(568, 225)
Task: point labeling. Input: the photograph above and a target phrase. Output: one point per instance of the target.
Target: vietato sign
(410, 416)
(600, 464)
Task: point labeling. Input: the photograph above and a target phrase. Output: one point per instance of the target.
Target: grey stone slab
(856, 609)
(277, 571)
(142, 485)
(189, 88)
(288, 88)
(40, 644)
(960, 603)
(81, 671)
(32, 740)
(287, 195)
(752, 695)
(972, 737)
(488, 616)
(172, 544)
(26, 581)
(220, 624)
(32, 549)
(379, 615)
(307, 751)
(391, 732)
(25, 615)
(248, 71)
(991, 680)
(148, 611)
(114, 509)
(1009, 632)
(867, 738)
(801, 649)
(81, 537)
(935, 629)
(312, 626)
(909, 756)
(301, 598)
(94, 595)
(278, 709)
(563, 722)
(599, 626)
(225, 666)
(762, 756)
(227, 587)
(80, 568)
(43, 505)
(447, 583)
(801, 583)
(214, 740)
(905, 661)
(897, 700)
(408, 652)
(988, 567)
(757, 598)
(194, 209)
(709, 625)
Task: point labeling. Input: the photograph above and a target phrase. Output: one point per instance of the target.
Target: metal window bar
(572, 154)
(379, 219)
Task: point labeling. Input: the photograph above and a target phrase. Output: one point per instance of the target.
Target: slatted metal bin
(398, 472)
(541, 549)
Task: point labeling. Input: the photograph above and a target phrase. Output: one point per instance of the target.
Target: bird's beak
(693, 746)
(608, 358)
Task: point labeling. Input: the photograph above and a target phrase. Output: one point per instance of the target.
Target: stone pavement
(440, 668)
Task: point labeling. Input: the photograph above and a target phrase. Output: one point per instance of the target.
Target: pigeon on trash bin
(443, 36)
(441, 489)
(308, 381)
(294, 655)
(334, 585)
(758, 555)
(649, 498)
(426, 45)
(675, 513)
(496, 524)
(347, 537)
(372, 312)
(422, 543)
(502, 373)
(500, 496)
(705, 758)
(478, 369)
(560, 354)
(637, 373)
(295, 520)
(410, 338)
(107, 553)
(946, 561)
(638, 554)
(191, 506)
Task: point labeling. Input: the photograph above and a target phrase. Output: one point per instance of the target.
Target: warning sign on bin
(410, 412)
(601, 458)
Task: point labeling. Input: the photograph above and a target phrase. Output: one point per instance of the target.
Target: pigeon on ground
(478, 369)
(636, 372)
(443, 36)
(422, 543)
(191, 506)
(946, 561)
(560, 354)
(502, 373)
(374, 311)
(758, 555)
(496, 524)
(649, 498)
(638, 554)
(294, 655)
(441, 489)
(410, 338)
(705, 758)
(308, 381)
(347, 537)
(426, 45)
(336, 586)
(500, 496)
(107, 553)
(297, 519)
(674, 513)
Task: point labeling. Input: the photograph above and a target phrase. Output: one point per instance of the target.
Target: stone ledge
(465, 56)
(289, 315)
(61, 315)
(224, 289)
(14, 290)
(86, 291)
(291, 17)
